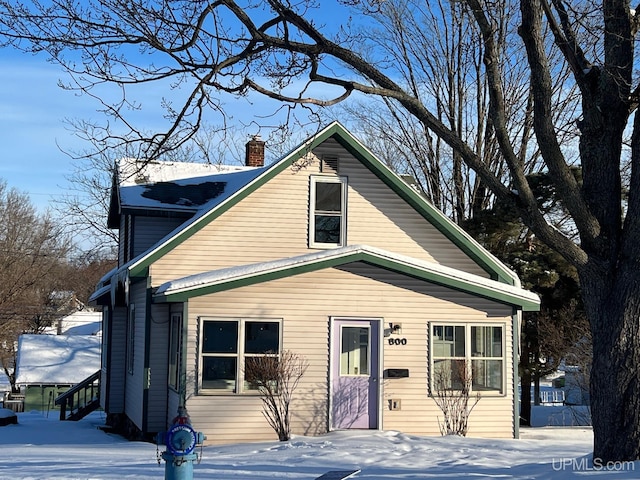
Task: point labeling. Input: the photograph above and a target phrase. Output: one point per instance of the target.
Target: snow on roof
(132, 171)
(79, 323)
(178, 185)
(63, 359)
(246, 271)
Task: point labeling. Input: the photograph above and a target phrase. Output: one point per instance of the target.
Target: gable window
(327, 224)
(464, 349)
(175, 351)
(131, 337)
(225, 346)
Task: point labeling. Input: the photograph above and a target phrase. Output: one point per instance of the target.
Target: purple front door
(355, 372)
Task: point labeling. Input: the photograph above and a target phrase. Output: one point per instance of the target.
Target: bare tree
(452, 393)
(84, 206)
(32, 249)
(276, 377)
(281, 49)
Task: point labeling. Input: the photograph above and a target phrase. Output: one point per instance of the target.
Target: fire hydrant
(181, 440)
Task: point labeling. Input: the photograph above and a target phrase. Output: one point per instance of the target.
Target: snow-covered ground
(45, 448)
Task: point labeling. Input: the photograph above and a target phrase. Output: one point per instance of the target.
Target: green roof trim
(138, 267)
(444, 225)
(235, 278)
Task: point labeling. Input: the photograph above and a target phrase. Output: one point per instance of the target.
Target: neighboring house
(48, 365)
(326, 253)
(576, 385)
(82, 322)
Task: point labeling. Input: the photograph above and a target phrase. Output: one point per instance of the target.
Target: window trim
(240, 355)
(468, 357)
(314, 180)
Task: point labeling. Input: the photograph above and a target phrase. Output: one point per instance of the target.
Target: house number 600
(397, 341)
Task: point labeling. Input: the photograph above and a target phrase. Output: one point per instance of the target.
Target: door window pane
(354, 354)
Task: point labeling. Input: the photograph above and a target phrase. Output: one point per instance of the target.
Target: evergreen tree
(560, 327)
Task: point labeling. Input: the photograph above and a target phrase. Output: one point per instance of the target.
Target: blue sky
(34, 135)
(32, 110)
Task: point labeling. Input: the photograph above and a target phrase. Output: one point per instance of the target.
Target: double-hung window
(462, 350)
(225, 346)
(327, 212)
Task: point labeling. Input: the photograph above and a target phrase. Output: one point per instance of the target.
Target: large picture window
(458, 350)
(225, 346)
(327, 216)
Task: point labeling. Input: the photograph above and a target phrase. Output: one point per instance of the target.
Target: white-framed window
(131, 337)
(175, 350)
(327, 211)
(225, 345)
(462, 349)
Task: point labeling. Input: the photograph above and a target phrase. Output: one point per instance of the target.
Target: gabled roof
(497, 270)
(229, 278)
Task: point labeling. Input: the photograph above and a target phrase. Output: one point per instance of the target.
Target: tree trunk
(525, 397)
(536, 389)
(612, 303)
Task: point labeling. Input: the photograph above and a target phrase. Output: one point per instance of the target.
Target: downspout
(516, 324)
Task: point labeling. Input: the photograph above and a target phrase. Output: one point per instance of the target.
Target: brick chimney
(255, 152)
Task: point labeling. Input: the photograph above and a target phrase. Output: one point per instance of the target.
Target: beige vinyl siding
(148, 230)
(379, 217)
(272, 223)
(117, 370)
(305, 303)
(134, 399)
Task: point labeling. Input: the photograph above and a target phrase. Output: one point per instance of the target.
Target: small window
(175, 351)
(328, 212)
(131, 337)
(226, 344)
(461, 350)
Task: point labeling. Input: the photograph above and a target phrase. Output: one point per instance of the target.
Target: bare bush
(452, 393)
(276, 377)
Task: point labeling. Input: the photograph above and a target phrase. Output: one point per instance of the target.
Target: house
(82, 322)
(325, 253)
(49, 365)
